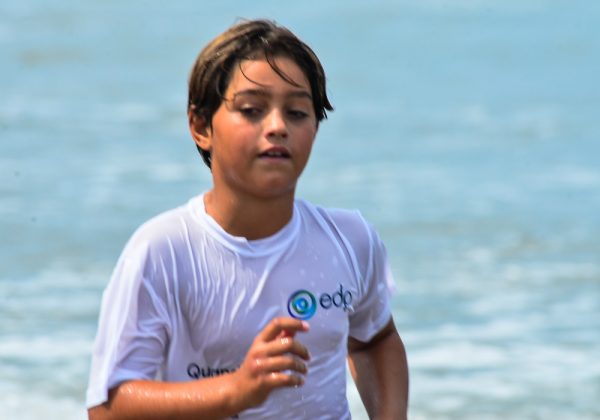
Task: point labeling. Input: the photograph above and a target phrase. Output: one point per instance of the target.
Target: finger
(280, 379)
(287, 333)
(278, 325)
(280, 363)
(283, 345)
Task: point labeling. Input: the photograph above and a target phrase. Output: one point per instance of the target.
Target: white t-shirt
(187, 299)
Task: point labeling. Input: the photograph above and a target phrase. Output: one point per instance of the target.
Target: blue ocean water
(466, 131)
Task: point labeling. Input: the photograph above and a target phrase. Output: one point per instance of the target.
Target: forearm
(275, 360)
(380, 371)
(211, 398)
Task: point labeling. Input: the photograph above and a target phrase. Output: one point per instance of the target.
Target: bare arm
(380, 371)
(273, 351)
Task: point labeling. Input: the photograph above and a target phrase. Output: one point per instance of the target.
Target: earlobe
(200, 131)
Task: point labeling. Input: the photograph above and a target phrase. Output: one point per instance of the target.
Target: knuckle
(256, 366)
(274, 378)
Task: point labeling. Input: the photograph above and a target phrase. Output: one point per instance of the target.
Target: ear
(200, 131)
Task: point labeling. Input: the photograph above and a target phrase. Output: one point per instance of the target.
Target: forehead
(279, 72)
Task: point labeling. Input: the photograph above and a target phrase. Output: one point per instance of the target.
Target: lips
(275, 153)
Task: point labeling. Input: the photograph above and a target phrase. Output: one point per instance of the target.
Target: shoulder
(162, 232)
(348, 226)
(349, 222)
(348, 218)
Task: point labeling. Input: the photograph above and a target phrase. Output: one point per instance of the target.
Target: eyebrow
(266, 93)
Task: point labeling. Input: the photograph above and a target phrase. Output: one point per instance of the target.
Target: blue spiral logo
(302, 305)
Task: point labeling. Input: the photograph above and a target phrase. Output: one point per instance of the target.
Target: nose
(275, 124)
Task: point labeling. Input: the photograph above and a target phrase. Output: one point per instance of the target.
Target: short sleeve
(133, 325)
(373, 311)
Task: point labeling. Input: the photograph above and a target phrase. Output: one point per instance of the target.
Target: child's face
(262, 133)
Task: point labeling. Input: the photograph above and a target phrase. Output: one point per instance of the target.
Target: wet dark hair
(250, 39)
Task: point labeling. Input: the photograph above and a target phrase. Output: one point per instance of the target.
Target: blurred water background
(467, 131)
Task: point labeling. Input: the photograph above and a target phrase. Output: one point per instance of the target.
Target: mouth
(275, 153)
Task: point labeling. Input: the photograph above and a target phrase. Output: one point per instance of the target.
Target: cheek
(232, 139)
(308, 138)
(305, 146)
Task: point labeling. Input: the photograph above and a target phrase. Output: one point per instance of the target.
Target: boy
(246, 302)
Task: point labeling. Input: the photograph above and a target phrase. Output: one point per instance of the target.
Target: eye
(250, 111)
(297, 114)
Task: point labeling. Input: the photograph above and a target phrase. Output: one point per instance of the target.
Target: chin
(275, 190)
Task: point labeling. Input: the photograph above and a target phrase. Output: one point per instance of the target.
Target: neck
(249, 217)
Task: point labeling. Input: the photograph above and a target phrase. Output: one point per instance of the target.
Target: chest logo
(302, 304)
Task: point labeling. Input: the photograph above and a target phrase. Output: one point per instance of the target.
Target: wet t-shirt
(187, 299)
